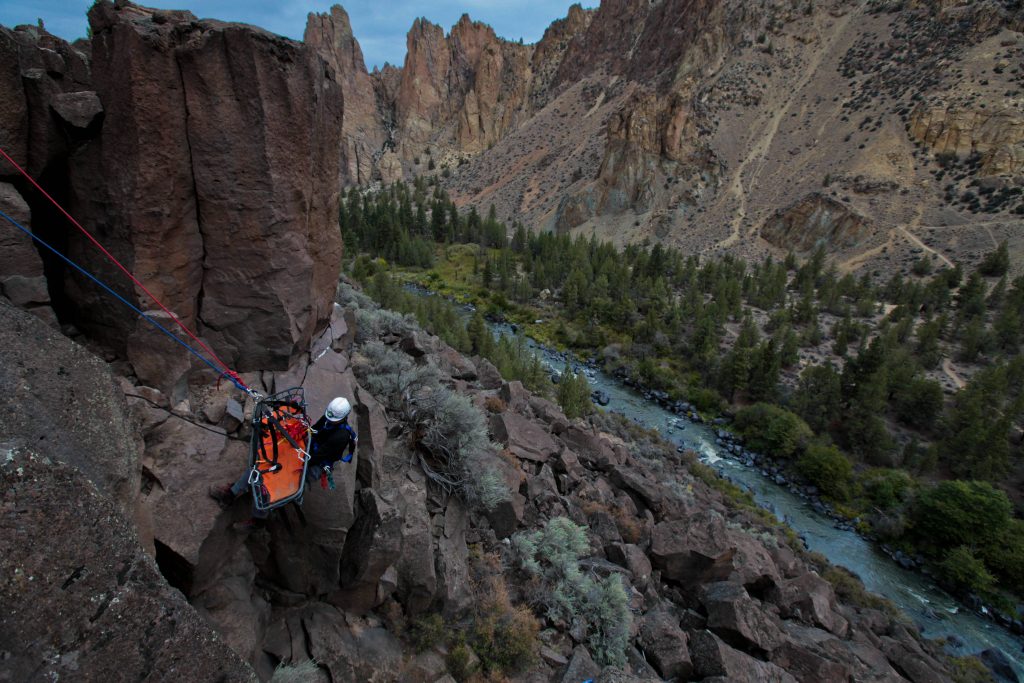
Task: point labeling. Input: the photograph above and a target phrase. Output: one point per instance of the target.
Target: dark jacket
(330, 442)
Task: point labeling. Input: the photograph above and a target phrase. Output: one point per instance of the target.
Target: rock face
(996, 136)
(22, 279)
(46, 108)
(234, 228)
(363, 125)
(54, 392)
(107, 613)
(815, 221)
(335, 579)
(89, 604)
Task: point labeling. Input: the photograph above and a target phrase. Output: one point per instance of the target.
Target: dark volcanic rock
(372, 547)
(813, 599)
(712, 657)
(21, 270)
(665, 644)
(735, 615)
(215, 177)
(524, 438)
(61, 400)
(91, 605)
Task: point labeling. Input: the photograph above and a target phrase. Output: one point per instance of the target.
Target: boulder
(700, 549)
(542, 483)
(372, 428)
(665, 645)
(80, 110)
(737, 618)
(487, 374)
(568, 463)
(350, 653)
(807, 666)
(418, 344)
(507, 515)
(233, 604)
(632, 558)
(372, 547)
(456, 365)
(908, 657)
(234, 415)
(813, 599)
(116, 617)
(712, 657)
(628, 479)
(593, 451)
(182, 460)
(516, 396)
(685, 550)
(417, 577)
(453, 560)
(581, 666)
(425, 667)
(546, 411)
(524, 438)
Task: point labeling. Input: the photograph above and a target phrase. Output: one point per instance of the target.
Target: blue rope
(120, 298)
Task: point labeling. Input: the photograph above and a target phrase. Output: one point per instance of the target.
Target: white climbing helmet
(338, 409)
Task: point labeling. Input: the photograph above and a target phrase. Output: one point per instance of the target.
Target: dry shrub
(629, 526)
(626, 522)
(503, 635)
(495, 404)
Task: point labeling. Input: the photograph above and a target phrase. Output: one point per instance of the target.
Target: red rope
(231, 373)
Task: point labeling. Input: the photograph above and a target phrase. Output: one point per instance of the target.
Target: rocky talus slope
(696, 123)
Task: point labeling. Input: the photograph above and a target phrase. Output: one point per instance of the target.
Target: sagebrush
(596, 606)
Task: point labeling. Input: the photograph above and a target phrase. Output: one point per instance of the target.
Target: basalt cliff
(207, 157)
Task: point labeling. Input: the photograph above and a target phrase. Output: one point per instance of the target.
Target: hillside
(883, 130)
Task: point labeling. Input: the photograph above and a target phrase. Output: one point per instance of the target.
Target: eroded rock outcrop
(362, 127)
(214, 176)
(815, 221)
(91, 605)
(22, 278)
(996, 135)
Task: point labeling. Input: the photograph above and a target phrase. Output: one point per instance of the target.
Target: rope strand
(231, 375)
(227, 371)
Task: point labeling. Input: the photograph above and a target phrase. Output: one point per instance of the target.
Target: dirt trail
(855, 262)
(916, 241)
(947, 367)
(759, 151)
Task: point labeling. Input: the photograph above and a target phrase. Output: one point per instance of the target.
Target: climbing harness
(279, 452)
(216, 363)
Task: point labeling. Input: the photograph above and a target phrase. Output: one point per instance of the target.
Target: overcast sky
(379, 25)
